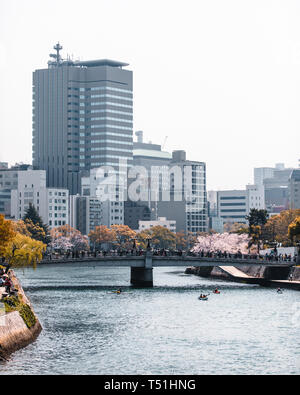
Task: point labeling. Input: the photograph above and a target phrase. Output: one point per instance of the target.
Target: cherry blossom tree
(223, 242)
(67, 238)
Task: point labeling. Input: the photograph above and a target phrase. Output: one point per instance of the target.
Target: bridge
(142, 265)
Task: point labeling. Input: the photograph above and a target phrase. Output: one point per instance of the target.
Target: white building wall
(161, 221)
(232, 206)
(52, 204)
(256, 197)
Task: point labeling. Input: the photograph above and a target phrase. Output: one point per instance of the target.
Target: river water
(88, 329)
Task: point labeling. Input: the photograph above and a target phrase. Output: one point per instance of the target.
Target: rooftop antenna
(57, 56)
(164, 143)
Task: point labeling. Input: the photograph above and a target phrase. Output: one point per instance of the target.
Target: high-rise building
(146, 155)
(190, 211)
(85, 213)
(276, 184)
(294, 189)
(82, 118)
(175, 188)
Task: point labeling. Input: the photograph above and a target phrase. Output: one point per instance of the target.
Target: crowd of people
(112, 252)
(273, 256)
(6, 282)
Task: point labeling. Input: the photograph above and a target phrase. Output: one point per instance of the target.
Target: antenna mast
(56, 56)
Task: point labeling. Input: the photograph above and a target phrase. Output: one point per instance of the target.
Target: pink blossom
(223, 242)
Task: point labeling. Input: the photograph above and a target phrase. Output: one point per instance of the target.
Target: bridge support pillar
(141, 277)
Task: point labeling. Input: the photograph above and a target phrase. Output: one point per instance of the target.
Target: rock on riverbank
(20, 327)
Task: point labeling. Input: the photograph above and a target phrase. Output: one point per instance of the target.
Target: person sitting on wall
(2, 281)
(7, 284)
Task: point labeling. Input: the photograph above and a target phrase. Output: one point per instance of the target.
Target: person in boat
(216, 291)
(279, 290)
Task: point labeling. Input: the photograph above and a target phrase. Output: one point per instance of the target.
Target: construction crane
(164, 143)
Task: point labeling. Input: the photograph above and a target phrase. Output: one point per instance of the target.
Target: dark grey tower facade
(82, 118)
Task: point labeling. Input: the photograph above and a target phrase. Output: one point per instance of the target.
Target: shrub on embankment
(15, 303)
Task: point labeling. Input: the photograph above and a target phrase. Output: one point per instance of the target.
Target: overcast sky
(220, 78)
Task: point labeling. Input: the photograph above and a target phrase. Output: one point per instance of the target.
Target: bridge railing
(169, 254)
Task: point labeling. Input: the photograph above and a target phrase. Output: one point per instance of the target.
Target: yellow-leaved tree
(160, 236)
(102, 235)
(23, 251)
(294, 230)
(7, 233)
(276, 228)
(124, 235)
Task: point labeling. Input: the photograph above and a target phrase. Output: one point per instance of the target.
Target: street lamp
(148, 238)
(134, 243)
(298, 253)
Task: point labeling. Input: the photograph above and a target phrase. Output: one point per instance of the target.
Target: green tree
(257, 220)
(255, 236)
(34, 223)
(257, 217)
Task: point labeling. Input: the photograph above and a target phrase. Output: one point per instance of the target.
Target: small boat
(216, 292)
(205, 298)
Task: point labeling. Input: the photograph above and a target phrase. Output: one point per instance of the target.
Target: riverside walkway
(142, 265)
(234, 272)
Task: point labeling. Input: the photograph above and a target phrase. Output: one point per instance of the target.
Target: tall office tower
(82, 118)
(294, 189)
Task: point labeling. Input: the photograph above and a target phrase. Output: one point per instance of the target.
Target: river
(88, 329)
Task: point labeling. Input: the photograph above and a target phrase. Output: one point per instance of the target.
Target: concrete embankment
(288, 277)
(20, 326)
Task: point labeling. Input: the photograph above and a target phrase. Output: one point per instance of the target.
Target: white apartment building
(161, 221)
(8, 182)
(52, 204)
(235, 205)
